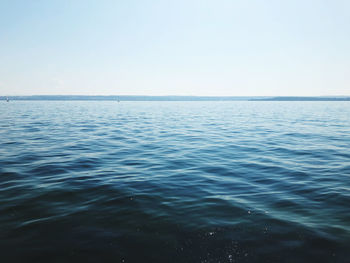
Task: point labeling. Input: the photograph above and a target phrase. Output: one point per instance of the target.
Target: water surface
(237, 181)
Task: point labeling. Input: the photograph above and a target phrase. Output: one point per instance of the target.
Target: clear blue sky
(183, 47)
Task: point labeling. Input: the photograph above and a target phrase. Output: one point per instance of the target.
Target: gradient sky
(183, 47)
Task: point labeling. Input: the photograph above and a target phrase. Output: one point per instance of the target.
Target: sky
(183, 47)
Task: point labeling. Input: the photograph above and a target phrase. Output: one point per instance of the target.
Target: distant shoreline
(171, 98)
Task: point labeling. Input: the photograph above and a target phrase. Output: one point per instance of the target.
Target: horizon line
(170, 98)
(171, 95)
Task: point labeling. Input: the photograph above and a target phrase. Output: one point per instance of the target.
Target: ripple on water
(175, 182)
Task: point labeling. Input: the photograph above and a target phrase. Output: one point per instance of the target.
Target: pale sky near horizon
(183, 47)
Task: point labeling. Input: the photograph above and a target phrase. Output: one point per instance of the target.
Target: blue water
(174, 181)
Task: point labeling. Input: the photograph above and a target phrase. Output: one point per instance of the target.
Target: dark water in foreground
(174, 181)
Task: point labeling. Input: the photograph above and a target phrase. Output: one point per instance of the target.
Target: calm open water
(174, 181)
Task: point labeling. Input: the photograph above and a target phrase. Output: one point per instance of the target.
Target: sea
(175, 181)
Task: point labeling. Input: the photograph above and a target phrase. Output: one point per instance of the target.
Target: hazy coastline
(176, 98)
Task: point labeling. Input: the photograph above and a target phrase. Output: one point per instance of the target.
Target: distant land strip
(171, 98)
(302, 99)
